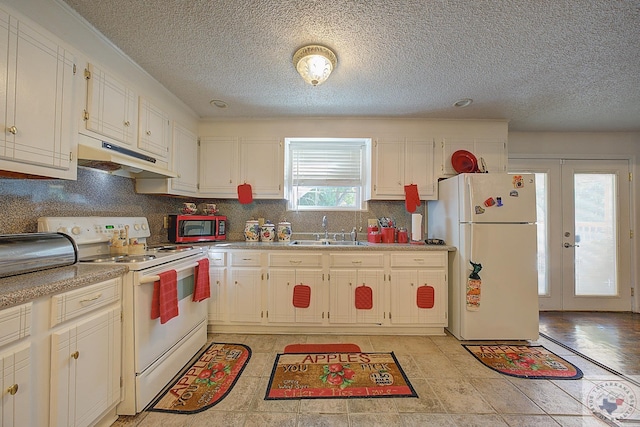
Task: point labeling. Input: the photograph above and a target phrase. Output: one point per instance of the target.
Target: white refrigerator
(491, 220)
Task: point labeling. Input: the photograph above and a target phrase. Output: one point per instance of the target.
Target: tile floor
(454, 389)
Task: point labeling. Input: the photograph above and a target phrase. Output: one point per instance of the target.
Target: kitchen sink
(326, 243)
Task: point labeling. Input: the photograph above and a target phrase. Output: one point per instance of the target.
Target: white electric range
(153, 353)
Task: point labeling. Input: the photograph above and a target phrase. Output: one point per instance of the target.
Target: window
(326, 173)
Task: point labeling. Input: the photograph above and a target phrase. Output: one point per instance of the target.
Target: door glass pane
(595, 234)
(542, 196)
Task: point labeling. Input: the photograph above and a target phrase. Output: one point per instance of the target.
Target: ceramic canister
(284, 231)
(252, 230)
(268, 232)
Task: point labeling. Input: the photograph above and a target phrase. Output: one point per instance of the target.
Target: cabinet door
(374, 280)
(85, 369)
(342, 285)
(404, 309)
(388, 169)
(185, 161)
(494, 154)
(281, 283)
(216, 301)
(244, 291)
(15, 386)
(154, 133)
(262, 166)
(313, 279)
(40, 127)
(438, 314)
(218, 166)
(419, 169)
(111, 108)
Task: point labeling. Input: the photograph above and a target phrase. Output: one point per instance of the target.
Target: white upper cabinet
(493, 152)
(401, 162)
(184, 164)
(226, 162)
(111, 108)
(218, 167)
(262, 166)
(37, 80)
(154, 131)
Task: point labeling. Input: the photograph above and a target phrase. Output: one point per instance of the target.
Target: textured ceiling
(545, 65)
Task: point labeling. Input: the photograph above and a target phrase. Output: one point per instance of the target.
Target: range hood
(117, 160)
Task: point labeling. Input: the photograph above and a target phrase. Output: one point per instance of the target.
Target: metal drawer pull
(75, 354)
(418, 259)
(13, 389)
(151, 279)
(356, 262)
(295, 262)
(91, 299)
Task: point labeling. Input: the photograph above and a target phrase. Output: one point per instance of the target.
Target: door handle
(569, 245)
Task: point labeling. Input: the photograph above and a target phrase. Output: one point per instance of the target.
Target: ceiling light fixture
(465, 102)
(218, 103)
(314, 63)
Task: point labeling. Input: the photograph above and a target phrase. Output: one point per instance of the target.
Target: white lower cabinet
(418, 284)
(15, 385)
(85, 369)
(342, 291)
(217, 281)
(86, 354)
(296, 288)
(329, 291)
(244, 288)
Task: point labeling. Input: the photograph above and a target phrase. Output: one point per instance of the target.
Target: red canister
(388, 235)
(403, 236)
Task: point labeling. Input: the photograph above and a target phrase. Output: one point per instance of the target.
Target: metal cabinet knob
(569, 245)
(127, 123)
(75, 354)
(13, 389)
(149, 132)
(13, 130)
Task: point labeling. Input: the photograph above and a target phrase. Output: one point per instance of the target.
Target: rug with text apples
(524, 361)
(337, 375)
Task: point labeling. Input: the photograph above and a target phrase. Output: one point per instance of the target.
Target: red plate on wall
(464, 162)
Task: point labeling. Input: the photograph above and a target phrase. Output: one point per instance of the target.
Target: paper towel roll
(416, 227)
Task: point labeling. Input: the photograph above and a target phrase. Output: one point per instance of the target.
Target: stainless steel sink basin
(326, 243)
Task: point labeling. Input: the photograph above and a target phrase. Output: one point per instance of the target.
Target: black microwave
(197, 228)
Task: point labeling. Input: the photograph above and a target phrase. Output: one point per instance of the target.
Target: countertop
(26, 287)
(368, 247)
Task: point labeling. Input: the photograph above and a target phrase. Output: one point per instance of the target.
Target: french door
(584, 233)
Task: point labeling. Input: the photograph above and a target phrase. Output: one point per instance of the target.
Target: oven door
(153, 339)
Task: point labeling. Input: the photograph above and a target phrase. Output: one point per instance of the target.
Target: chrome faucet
(325, 226)
(354, 235)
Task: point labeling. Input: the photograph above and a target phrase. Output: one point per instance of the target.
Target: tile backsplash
(95, 193)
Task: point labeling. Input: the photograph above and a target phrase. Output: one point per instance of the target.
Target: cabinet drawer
(15, 323)
(246, 259)
(295, 260)
(357, 260)
(75, 303)
(419, 259)
(217, 259)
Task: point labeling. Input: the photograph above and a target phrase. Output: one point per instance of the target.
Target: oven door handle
(151, 279)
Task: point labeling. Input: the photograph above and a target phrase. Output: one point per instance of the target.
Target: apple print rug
(206, 381)
(337, 375)
(534, 362)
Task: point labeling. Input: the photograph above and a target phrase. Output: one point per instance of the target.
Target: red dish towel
(164, 302)
(411, 197)
(202, 289)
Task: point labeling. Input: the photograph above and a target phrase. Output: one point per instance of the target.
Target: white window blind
(326, 173)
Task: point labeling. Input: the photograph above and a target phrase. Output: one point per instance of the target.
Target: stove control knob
(76, 230)
(144, 226)
(62, 230)
(136, 227)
